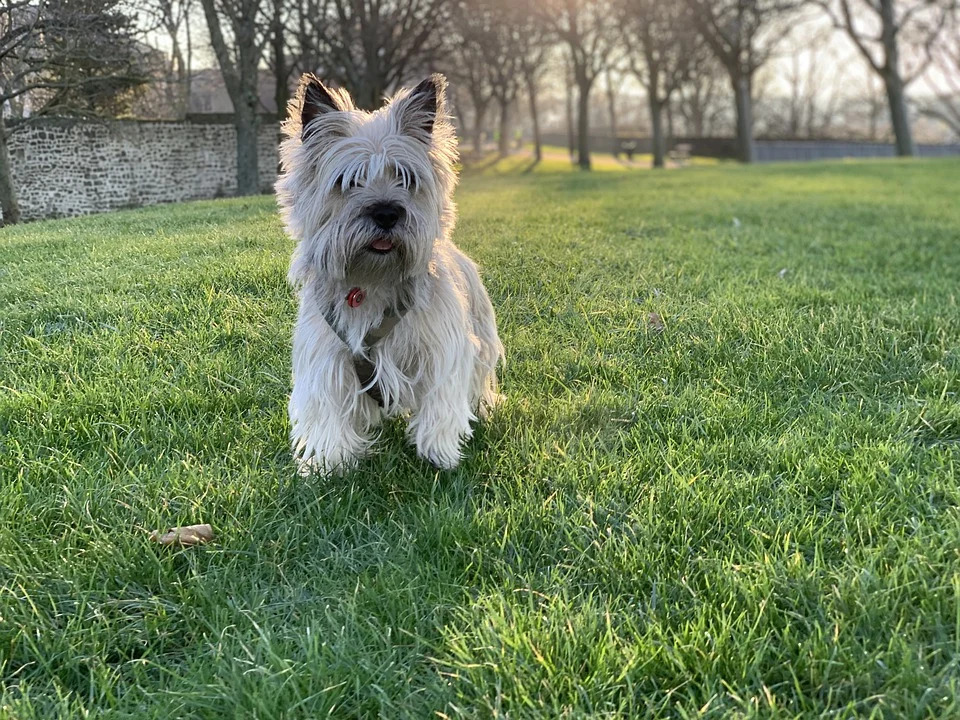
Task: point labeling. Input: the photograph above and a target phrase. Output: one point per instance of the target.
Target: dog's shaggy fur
(369, 197)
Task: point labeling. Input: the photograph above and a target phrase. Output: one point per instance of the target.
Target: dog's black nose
(386, 215)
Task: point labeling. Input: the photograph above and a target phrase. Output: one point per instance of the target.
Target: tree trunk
(503, 142)
(612, 109)
(8, 191)
(583, 123)
(744, 103)
(668, 106)
(571, 143)
(535, 119)
(247, 123)
(656, 125)
(240, 77)
(479, 111)
(899, 115)
(896, 99)
(281, 92)
(188, 82)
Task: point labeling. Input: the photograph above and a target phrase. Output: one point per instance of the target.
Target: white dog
(393, 317)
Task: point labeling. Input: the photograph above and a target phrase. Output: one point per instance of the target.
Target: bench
(680, 155)
(624, 146)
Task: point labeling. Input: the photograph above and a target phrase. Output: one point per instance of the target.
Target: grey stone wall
(66, 167)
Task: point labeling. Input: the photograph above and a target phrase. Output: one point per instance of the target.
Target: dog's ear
(317, 99)
(418, 110)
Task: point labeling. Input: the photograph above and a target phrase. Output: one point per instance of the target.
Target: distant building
(209, 96)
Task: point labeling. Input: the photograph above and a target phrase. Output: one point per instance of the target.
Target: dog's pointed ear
(418, 110)
(317, 99)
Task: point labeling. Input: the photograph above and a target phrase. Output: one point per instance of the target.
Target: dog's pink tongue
(382, 244)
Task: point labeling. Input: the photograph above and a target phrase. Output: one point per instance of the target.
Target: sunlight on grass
(558, 160)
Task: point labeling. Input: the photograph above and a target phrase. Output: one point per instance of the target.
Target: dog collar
(364, 368)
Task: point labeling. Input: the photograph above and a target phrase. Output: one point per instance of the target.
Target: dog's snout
(386, 215)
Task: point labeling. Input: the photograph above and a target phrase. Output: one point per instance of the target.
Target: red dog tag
(355, 297)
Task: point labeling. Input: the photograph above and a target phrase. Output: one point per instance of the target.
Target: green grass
(753, 513)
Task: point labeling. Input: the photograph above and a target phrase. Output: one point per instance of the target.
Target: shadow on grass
(478, 163)
(529, 168)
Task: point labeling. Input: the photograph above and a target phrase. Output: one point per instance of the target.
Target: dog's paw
(325, 465)
(488, 405)
(442, 446)
(441, 459)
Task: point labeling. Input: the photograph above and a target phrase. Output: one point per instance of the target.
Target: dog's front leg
(331, 420)
(441, 423)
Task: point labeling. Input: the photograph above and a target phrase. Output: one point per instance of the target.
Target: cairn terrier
(393, 319)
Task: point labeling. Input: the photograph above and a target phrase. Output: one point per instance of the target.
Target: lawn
(724, 482)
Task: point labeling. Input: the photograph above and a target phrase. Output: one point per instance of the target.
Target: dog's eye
(354, 183)
(404, 177)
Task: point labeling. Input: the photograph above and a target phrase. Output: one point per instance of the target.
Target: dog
(393, 319)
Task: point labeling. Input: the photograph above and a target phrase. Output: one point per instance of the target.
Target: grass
(751, 513)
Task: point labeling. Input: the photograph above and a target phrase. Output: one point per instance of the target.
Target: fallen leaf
(184, 536)
(655, 322)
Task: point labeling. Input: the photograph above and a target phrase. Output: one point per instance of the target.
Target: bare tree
(172, 17)
(743, 35)
(499, 50)
(468, 66)
(532, 39)
(611, 92)
(881, 30)
(662, 44)
(699, 97)
(865, 110)
(944, 106)
(76, 57)
(280, 56)
(372, 46)
(811, 105)
(501, 56)
(239, 62)
(569, 85)
(588, 28)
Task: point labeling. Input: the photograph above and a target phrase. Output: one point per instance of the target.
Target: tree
(944, 106)
(239, 64)
(743, 35)
(173, 18)
(699, 97)
(815, 84)
(611, 93)
(469, 68)
(280, 55)
(532, 39)
(881, 30)
(489, 51)
(492, 24)
(67, 57)
(662, 43)
(588, 28)
(371, 47)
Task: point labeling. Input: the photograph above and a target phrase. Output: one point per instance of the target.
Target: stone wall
(67, 167)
